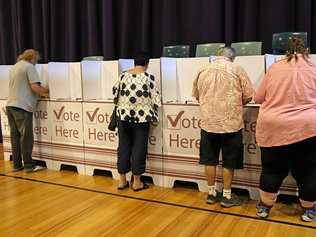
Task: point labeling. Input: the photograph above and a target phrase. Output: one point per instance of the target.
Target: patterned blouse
(222, 88)
(139, 98)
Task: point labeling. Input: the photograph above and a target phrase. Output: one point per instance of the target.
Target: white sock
(227, 193)
(212, 190)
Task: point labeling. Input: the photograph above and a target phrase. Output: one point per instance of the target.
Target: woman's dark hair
(141, 59)
(296, 46)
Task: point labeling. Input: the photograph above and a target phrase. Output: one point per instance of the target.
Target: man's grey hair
(227, 52)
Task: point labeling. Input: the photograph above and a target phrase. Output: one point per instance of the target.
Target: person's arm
(155, 95)
(246, 86)
(35, 82)
(115, 88)
(261, 92)
(39, 90)
(195, 90)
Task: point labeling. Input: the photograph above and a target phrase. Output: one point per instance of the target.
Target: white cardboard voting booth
(187, 70)
(5, 130)
(177, 76)
(65, 81)
(179, 73)
(100, 144)
(98, 78)
(67, 134)
(154, 68)
(254, 66)
(42, 70)
(75, 132)
(125, 64)
(181, 142)
(42, 130)
(4, 81)
(270, 59)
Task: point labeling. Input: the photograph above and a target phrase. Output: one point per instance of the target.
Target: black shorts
(230, 144)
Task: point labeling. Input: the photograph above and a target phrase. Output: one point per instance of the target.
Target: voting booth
(42, 130)
(5, 130)
(4, 81)
(177, 76)
(65, 81)
(42, 70)
(71, 128)
(181, 143)
(254, 66)
(100, 144)
(98, 78)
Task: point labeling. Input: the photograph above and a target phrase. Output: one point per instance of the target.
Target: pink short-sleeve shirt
(288, 97)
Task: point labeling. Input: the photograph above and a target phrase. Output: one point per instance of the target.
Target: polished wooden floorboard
(51, 203)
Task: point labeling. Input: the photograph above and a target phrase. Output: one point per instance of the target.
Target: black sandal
(125, 186)
(145, 186)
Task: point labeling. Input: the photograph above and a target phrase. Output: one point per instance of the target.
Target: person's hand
(45, 95)
(155, 124)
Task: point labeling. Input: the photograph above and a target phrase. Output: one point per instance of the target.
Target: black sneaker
(18, 169)
(233, 201)
(263, 210)
(309, 215)
(211, 199)
(35, 169)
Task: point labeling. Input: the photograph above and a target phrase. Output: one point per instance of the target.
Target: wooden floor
(51, 203)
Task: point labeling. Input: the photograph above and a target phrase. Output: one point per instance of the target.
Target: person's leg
(139, 153)
(25, 127)
(228, 175)
(232, 153)
(209, 156)
(15, 140)
(210, 173)
(124, 152)
(275, 163)
(303, 169)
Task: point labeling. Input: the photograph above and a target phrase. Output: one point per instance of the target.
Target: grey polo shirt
(22, 75)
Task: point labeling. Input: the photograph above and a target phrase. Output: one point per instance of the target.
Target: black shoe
(145, 186)
(263, 210)
(35, 169)
(211, 199)
(17, 169)
(233, 201)
(126, 185)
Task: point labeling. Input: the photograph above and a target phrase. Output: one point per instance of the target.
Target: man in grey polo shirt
(24, 89)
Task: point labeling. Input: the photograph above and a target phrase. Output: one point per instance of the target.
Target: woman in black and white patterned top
(138, 103)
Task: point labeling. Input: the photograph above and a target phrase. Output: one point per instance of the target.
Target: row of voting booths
(71, 126)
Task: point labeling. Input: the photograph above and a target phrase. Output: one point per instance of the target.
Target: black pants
(132, 150)
(21, 131)
(299, 158)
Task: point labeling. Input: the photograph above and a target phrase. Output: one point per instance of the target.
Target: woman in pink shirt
(286, 129)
